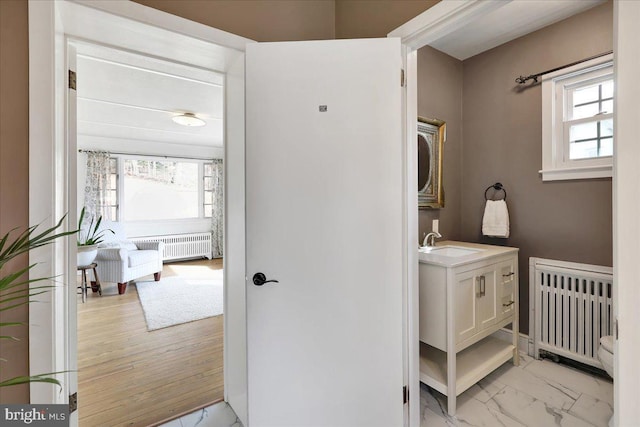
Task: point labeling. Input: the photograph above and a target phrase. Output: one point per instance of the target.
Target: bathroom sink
(449, 251)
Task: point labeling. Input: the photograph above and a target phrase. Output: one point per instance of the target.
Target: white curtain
(217, 216)
(97, 185)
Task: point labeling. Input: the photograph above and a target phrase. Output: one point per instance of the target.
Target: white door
(324, 206)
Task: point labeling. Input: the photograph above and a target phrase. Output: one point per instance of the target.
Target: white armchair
(120, 260)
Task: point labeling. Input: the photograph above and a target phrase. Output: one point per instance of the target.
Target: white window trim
(554, 148)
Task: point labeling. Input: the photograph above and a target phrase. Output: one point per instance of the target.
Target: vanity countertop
(481, 252)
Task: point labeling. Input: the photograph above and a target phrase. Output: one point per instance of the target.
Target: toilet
(605, 354)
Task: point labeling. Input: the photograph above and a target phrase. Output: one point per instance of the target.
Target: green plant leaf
(44, 378)
(15, 291)
(9, 337)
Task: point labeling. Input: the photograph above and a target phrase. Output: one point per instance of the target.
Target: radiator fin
(572, 308)
(182, 246)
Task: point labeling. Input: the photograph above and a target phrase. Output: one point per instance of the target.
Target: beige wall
(366, 18)
(566, 220)
(14, 179)
(440, 97)
(260, 20)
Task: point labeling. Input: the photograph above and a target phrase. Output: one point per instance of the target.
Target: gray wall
(440, 97)
(566, 220)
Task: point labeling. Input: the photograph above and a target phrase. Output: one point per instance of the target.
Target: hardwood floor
(131, 377)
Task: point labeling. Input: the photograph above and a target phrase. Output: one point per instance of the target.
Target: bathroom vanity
(467, 292)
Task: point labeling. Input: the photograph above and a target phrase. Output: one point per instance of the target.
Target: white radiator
(571, 307)
(182, 246)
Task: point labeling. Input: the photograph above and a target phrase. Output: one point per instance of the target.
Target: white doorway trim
(448, 16)
(443, 18)
(52, 179)
(626, 211)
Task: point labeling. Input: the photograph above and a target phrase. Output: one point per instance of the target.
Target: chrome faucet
(430, 239)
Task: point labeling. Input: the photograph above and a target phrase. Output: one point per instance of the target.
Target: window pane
(155, 190)
(112, 181)
(208, 211)
(208, 197)
(606, 127)
(606, 147)
(585, 141)
(583, 111)
(110, 198)
(583, 131)
(585, 94)
(607, 89)
(607, 106)
(583, 150)
(208, 169)
(208, 183)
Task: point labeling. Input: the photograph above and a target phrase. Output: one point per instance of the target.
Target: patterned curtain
(97, 184)
(217, 216)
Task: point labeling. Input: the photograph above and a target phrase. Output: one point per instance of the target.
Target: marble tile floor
(538, 393)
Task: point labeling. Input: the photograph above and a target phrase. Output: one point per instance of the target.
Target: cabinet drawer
(507, 272)
(507, 288)
(507, 306)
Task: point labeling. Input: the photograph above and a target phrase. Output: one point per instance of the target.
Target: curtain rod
(147, 155)
(522, 80)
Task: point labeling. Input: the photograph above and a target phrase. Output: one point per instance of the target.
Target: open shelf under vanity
(472, 364)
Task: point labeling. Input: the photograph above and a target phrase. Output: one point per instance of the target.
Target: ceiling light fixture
(188, 119)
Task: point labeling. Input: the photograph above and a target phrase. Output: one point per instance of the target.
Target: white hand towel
(495, 222)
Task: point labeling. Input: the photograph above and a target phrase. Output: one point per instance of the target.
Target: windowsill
(164, 227)
(584, 172)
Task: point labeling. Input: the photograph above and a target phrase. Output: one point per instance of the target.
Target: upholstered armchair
(120, 260)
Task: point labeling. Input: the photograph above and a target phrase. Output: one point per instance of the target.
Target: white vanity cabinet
(464, 299)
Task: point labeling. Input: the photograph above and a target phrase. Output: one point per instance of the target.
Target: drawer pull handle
(508, 275)
(507, 305)
(482, 282)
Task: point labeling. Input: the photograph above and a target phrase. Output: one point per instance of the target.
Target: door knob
(260, 279)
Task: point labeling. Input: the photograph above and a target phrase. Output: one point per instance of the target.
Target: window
(110, 207)
(208, 189)
(577, 116)
(160, 190)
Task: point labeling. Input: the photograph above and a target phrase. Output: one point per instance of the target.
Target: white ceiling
(127, 96)
(507, 22)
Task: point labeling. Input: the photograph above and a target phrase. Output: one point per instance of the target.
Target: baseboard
(524, 343)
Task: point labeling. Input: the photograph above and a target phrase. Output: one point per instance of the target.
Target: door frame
(447, 16)
(52, 188)
(425, 28)
(626, 211)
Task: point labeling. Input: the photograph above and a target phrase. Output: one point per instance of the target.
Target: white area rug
(175, 300)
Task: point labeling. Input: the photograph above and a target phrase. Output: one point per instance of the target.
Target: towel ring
(497, 187)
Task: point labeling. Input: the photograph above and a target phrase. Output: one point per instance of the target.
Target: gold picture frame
(432, 134)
